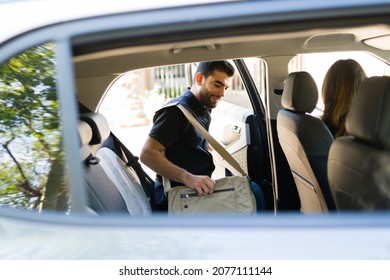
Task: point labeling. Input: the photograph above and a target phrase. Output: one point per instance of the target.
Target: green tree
(32, 172)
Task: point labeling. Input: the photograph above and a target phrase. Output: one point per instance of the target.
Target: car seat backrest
(103, 196)
(305, 141)
(369, 118)
(359, 164)
(125, 179)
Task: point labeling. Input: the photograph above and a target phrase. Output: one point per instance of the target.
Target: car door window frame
(60, 37)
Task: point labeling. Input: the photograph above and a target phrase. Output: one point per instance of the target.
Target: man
(174, 149)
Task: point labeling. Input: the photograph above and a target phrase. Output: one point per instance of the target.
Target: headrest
(300, 92)
(369, 117)
(85, 133)
(99, 126)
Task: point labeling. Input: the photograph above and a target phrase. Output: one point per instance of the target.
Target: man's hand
(202, 184)
(152, 155)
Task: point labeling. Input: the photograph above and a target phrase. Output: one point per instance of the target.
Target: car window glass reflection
(32, 164)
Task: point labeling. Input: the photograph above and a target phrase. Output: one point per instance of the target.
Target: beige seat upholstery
(305, 141)
(359, 164)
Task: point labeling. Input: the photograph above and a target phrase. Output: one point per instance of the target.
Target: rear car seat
(103, 197)
(112, 185)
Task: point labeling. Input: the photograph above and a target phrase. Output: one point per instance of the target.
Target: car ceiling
(99, 60)
(315, 40)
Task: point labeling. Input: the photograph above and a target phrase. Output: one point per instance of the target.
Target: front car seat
(359, 164)
(305, 141)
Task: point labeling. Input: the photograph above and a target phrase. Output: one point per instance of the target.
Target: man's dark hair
(208, 67)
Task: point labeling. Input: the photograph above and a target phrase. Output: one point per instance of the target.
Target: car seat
(359, 164)
(102, 195)
(117, 176)
(305, 141)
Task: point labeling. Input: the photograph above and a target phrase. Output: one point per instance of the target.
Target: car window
(257, 69)
(317, 64)
(32, 163)
(140, 92)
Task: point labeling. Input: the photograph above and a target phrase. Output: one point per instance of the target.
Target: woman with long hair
(340, 85)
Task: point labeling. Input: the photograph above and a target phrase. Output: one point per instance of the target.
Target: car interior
(270, 124)
(299, 158)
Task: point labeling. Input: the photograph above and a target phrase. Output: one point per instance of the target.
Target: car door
(238, 124)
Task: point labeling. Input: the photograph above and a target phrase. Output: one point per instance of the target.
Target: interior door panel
(229, 127)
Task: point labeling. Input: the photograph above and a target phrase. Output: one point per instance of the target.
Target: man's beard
(209, 100)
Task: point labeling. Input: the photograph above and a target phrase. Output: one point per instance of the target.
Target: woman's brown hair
(338, 90)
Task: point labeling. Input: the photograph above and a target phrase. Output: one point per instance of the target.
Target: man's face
(213, 88)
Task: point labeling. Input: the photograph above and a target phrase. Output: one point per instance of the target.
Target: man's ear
(199, 78)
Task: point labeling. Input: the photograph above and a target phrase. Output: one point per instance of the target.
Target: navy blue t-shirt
(184, 145)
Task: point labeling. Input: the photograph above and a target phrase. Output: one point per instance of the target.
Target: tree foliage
(32, 163)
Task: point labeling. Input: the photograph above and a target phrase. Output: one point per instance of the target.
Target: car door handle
(231, 134)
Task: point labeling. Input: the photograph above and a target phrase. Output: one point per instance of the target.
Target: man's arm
(152, 155)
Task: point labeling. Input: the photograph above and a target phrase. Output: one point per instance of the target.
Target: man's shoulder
(171, 103)
(183, 99)
(168, 109)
